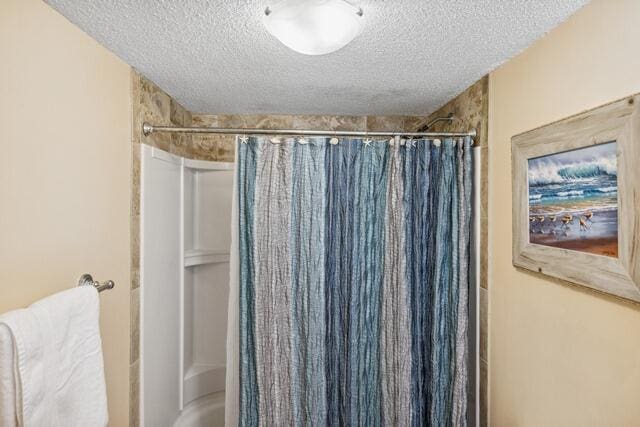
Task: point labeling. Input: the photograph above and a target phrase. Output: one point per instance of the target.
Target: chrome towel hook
(87, 280)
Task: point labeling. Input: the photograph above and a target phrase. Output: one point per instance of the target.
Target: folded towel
(7, 379)
(51, 366)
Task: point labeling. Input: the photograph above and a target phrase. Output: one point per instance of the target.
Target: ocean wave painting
(573, 200)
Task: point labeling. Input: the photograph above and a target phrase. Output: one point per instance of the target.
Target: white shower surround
(185, 240)
(411, 57)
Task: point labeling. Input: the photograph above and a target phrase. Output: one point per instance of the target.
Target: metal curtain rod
(148, 129)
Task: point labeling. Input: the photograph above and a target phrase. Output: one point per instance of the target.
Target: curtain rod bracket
(147, 129)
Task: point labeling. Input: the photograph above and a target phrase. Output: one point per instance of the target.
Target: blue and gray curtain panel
(354, 281)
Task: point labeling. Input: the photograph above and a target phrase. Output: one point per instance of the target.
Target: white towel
(51, 366)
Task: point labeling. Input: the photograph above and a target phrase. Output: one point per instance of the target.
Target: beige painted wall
(65, 173)
(559, 355)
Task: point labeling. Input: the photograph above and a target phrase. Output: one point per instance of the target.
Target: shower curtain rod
(148, 129)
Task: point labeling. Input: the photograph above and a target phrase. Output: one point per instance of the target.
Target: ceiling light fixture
(314, 27)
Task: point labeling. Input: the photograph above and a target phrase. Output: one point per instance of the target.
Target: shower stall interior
(185, 244)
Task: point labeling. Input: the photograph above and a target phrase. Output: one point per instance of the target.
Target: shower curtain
(349, 290)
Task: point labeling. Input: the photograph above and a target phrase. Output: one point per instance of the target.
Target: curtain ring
(334, 140)
(366, 141)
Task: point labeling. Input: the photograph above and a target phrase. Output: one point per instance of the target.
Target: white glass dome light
(314, 27)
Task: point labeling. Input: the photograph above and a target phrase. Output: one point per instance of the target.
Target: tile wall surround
(151, 104)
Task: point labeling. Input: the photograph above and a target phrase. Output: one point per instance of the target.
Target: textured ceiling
(411, 58)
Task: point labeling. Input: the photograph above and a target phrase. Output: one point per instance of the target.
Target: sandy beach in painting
(573, 200)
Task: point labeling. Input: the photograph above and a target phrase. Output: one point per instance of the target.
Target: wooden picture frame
(617, 122)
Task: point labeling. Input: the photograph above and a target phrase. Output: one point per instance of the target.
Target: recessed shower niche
(185, 221)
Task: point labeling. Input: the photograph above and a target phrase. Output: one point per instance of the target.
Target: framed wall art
(576, 199)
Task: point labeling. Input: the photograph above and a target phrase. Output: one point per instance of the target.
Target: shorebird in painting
(552, 221)
(583, 224)
(588, 215)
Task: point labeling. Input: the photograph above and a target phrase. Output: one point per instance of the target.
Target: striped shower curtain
(351, 283)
